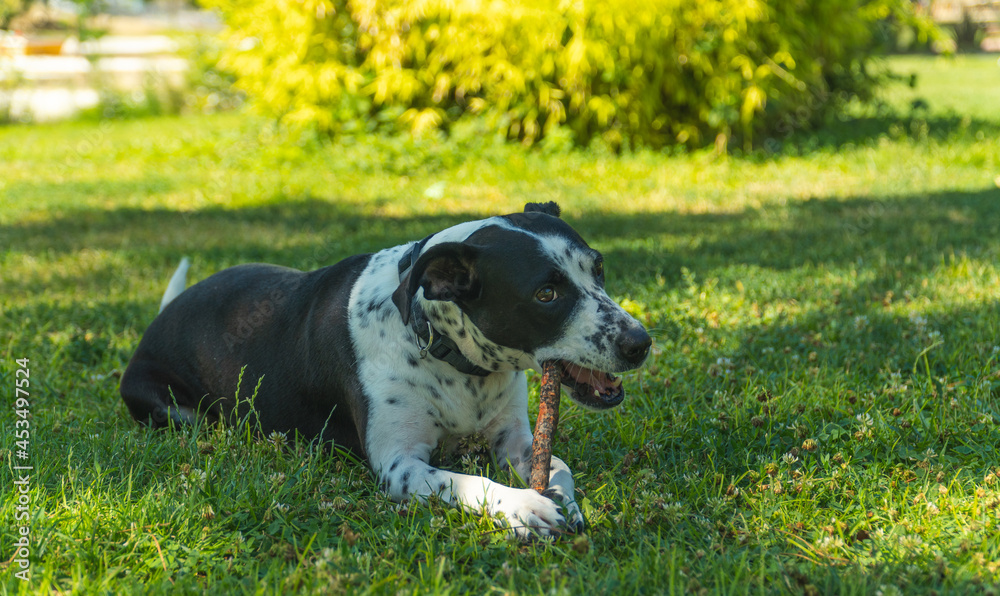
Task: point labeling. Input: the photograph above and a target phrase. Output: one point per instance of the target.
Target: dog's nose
(634, 345)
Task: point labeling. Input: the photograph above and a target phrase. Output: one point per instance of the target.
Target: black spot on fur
(600, 340)
(395, 463)
(500, 441)
(392, 401)
(411, 361)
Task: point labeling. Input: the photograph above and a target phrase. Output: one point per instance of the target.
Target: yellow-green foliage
(654, 73)
(8, 10)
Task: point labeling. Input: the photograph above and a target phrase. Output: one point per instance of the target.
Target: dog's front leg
(404, 473)
(511, 442)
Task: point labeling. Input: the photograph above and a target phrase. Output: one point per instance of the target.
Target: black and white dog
(387, 354)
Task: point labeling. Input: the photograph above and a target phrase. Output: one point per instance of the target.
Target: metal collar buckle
(430, 340)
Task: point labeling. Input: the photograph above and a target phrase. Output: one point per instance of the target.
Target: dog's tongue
(588, 376)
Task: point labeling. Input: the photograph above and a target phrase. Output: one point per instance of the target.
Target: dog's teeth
(616, 381)
(597, 393)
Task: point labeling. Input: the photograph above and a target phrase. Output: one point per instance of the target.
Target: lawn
(821, 413)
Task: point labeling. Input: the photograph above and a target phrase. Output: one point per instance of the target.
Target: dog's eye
(546, 294)
(599, 268)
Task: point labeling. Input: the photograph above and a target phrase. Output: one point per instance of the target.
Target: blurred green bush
(652, 73)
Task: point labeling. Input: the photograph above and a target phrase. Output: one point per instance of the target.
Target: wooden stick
(545, 426)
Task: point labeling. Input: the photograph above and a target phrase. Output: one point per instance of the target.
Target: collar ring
(430, 340)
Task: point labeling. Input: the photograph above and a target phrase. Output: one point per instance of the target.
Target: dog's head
(521, 289)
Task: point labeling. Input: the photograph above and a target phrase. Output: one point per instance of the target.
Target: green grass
(820, 414)
(967, 85)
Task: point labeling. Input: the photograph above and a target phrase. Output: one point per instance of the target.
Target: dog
(388, 354)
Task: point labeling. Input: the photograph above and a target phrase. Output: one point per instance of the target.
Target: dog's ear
(446, 271)
(550, 208)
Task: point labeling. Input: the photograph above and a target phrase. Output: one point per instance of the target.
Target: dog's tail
(177, 283)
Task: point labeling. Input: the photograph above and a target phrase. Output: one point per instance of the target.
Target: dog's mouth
(592, 388)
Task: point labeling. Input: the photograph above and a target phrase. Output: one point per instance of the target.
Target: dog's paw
(529, 514)
(575, 522)
(574, 517)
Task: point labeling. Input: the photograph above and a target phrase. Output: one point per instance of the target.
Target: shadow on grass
(313, 232)
(897, 241)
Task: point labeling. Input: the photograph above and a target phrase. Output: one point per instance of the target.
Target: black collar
(410, 257)
(432, 342)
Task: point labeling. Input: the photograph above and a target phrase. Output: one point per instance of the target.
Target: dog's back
(247, 321)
